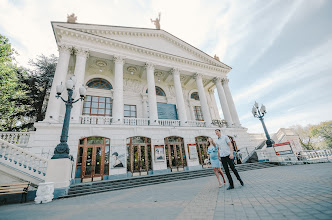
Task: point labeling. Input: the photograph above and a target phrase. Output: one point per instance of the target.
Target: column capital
(175, 71)
(65, 48)
(216, 79)
(211, 91)
(82, 52)
(225, 81)
(119, 60)
(149, 65)
(198, 75)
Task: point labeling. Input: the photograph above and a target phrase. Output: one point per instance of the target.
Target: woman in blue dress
(213, 152)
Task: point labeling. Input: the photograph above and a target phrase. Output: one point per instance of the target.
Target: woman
(213, 152)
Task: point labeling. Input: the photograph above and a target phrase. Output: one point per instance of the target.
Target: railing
(322, 155)
(136, 121)
(247, 155)
(23, 160)
(313, 156)
(167, 122)
(196, 123)
(95, 120)
(20, 139)
(219, 123)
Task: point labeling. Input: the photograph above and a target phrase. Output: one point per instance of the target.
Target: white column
(81, 57)
(230, 103)
(202, 98)
(117, 112)
(223, 101)
(145, 106)
(179, 97)
(152, 94)
(54, 104)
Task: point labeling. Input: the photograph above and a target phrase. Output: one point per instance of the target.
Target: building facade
(149, 107)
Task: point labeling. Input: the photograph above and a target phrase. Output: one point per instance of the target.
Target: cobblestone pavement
(285, 192)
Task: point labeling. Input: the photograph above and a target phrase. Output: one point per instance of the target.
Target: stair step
(112, 185)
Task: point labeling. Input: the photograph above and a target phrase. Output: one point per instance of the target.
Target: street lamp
(259, 113)
(62, 149)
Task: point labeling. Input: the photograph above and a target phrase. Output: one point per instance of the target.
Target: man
(226, 156)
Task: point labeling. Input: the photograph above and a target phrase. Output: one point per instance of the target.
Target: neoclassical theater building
(150, 103)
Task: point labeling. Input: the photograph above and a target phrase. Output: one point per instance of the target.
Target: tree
(37, 83)
(323, 132)
(10, 90)
(305, 136)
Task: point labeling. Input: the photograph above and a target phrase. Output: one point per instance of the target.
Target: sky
(280, 51)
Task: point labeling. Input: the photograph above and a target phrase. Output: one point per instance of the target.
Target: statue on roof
(216, 57)
(71, 18)
(157, 22)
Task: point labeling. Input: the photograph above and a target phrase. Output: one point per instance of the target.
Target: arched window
(194, 95)
(159, 91)
(99, 83)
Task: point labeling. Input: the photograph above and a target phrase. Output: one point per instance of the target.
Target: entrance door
(93, 159)
(139, 156)
(176, 157)
(201, 144)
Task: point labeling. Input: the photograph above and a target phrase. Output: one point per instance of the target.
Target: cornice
(136, 49)
(96, 29)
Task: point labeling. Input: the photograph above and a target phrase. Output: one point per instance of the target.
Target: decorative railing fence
(311, 156)
(19, 139)
(23, 160)
(136, 121)
(219, 123)
(196, 123)
(95, 120)
(167, 122)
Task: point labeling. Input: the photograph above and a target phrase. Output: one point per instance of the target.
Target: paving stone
(284, 192)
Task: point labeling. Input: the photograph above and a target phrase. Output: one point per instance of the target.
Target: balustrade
(136, 121)
(21, 159)
(196, 123)
(19, 139)
(167, 122)
(95, 120)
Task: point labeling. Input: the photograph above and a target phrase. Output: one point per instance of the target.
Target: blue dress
(213, 151)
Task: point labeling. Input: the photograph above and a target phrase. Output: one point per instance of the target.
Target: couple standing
(222, 150)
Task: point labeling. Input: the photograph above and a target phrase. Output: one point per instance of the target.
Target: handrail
(18, 138)
(23, 160)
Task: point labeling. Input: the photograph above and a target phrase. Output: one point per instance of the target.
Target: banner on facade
(118, 159)
(159, 152)
(192, 151)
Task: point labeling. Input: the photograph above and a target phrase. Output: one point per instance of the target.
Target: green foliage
(323, 132)
(9, 88)
(23, 91)
(37, 83)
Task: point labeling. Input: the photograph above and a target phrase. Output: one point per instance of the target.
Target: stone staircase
(112, 185)
(21, 164)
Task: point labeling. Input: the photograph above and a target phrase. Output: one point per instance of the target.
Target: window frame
(99, 103)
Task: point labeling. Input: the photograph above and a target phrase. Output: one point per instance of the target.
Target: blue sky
(280, 51)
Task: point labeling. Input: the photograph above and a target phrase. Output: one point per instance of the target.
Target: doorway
(139, 155)
(201, 144)
(92, 159)
(175, 156)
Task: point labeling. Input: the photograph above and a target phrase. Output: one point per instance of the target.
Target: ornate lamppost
(259, 113)
(62, 149)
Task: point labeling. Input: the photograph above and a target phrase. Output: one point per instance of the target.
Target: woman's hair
(209, 142)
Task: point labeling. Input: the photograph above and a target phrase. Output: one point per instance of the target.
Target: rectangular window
(130, 111)
(198, 113)
(95, 105)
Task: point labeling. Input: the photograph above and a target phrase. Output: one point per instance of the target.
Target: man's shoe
(241, 182)
(230, 187)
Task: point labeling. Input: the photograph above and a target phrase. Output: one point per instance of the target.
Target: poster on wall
(159, 153)
(118, 157)
(192, 151)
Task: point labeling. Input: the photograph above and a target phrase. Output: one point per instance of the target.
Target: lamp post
(62, 149)
(259, 113)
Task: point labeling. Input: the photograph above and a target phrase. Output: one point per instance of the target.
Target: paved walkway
(285, 192)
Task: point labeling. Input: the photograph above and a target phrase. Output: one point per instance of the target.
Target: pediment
(152, 39)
